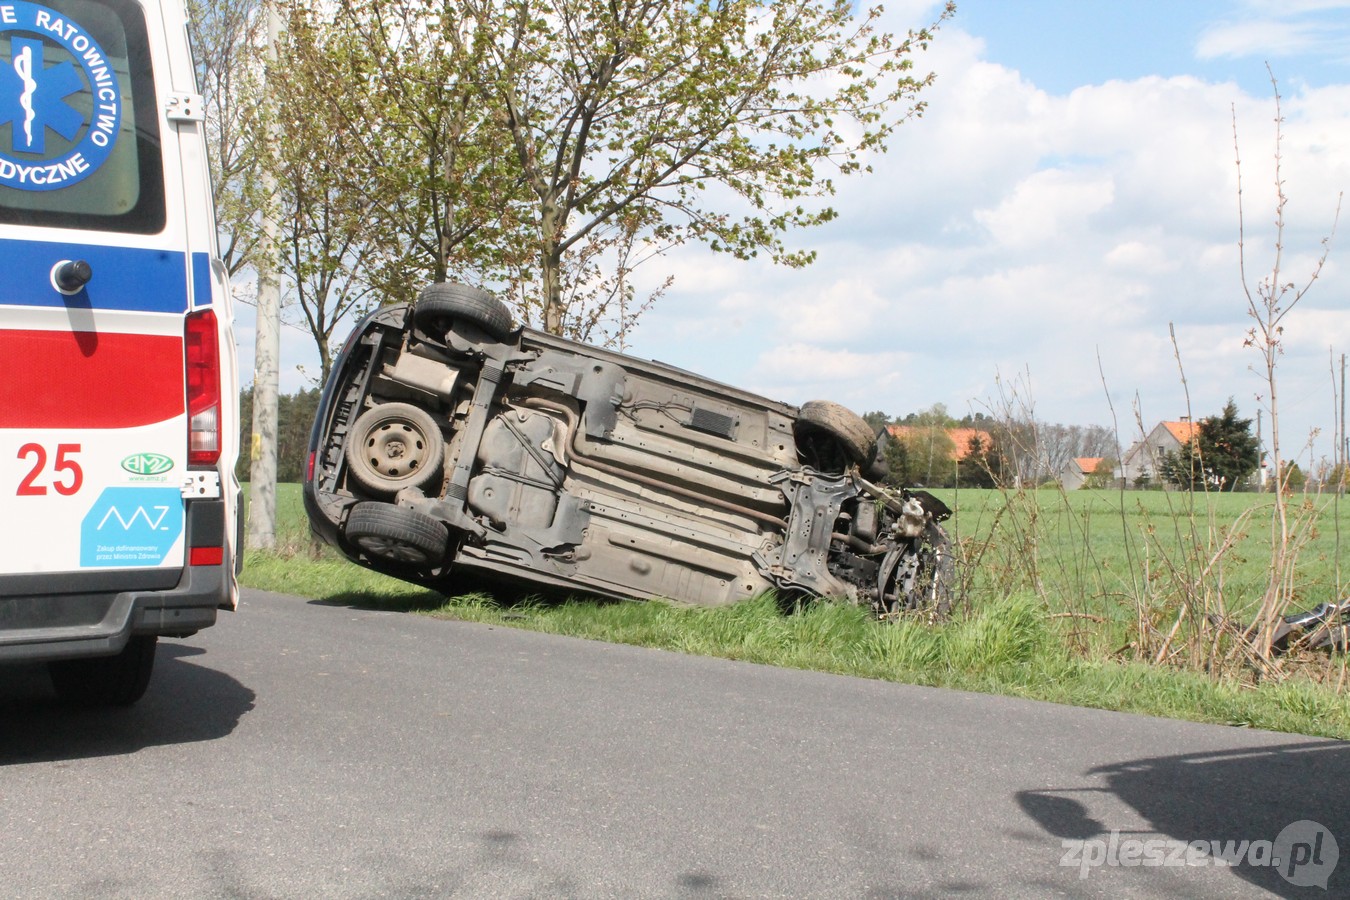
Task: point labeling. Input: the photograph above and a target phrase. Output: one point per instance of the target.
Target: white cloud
(1141, 258)
(1045, 207)
(1013, 230)
(1256, 37)
(806, 364)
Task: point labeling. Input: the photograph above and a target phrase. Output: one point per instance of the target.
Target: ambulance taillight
(203, 389)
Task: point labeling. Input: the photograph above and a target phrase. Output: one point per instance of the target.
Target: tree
(385, 169)
(1338, 478)
(549, 148)
(1292, 478)
(1222, 453)
(227, 37)
(1104, 476)
(1228, 449)
(977, 469)
(428, 155)
(295, 417)
(877, 419)
(633, 122)
(327, 244)
(1059, 444)
(920, 450)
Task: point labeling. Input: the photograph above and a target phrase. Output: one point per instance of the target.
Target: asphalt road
(302, 750)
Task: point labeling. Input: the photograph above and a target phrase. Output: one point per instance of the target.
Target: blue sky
(1070, 194)
(1059, 44)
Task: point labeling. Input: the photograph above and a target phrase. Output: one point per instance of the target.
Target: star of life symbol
(36, 97)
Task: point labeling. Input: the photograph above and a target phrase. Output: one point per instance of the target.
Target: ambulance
(119, 509)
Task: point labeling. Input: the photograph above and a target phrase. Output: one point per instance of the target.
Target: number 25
(64, 464)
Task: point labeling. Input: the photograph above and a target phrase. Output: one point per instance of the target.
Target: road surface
(307, 750)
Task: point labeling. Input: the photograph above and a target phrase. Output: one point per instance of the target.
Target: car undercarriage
(448, 441)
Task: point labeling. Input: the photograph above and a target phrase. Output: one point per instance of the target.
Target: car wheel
(118, 680)
(393, 446)
(831, 437)
(397, 534)
(918, 576)
(439, 305)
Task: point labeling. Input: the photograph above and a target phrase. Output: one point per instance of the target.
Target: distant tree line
(295, 417)
(998, 451)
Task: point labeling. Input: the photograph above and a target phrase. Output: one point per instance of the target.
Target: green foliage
(1221, 455)
(225, 35)
(1293, 479)
(329, 245)
(877, 419)
(623, 114)
(1104, 476)
(549, 148)
(925, 455)
(935, 415)
(1338, 478)
(921, 455)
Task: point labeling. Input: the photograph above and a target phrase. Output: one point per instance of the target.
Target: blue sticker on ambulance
(131, 526)
(41, 91)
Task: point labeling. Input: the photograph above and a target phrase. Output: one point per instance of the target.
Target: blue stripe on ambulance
(201, 280)
(129, 279)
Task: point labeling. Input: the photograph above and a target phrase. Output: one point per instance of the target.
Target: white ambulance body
(118, 375)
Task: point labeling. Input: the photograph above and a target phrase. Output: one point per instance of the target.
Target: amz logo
(147, 463)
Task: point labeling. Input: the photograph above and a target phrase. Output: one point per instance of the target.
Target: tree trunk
(550, 226)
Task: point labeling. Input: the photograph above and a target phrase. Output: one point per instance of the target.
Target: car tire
(920, 578)
(396, 534)
(440, 305)
(845, 428)
(118, 680)
(393, 446)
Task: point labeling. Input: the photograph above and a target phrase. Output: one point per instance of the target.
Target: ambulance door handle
(69, 276)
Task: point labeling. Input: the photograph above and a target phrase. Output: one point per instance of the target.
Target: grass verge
(1010, 645)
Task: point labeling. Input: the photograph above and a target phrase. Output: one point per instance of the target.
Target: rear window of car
(79, 128)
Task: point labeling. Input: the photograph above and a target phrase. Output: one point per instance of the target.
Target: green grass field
(1054, 593)
(1110, 556)
(1112, 539)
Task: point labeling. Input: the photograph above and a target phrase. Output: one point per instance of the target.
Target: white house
(1143, 461)
(1077, 470)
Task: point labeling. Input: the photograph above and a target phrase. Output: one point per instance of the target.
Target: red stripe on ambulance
(85, 379)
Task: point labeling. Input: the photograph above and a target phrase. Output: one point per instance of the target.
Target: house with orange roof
(1143, 461)
(1077, 470)
(960, 437)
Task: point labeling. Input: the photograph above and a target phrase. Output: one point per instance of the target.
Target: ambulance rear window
(79, 130)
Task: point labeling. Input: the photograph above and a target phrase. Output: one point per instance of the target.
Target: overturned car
(447, 441)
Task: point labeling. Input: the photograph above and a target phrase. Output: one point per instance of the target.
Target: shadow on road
(185, 703)
(1248, 795)
(378, 602)
(467, 589)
